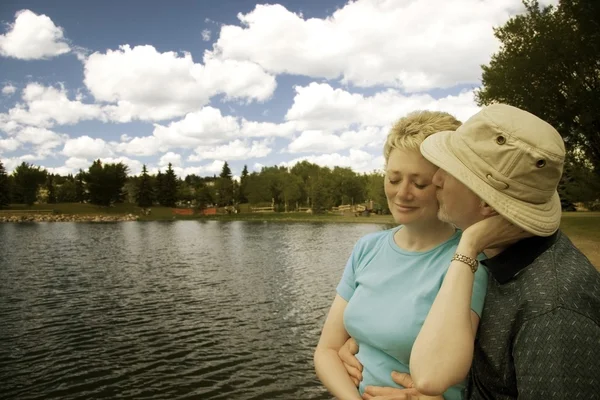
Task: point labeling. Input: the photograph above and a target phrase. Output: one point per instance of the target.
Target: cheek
(389, 190)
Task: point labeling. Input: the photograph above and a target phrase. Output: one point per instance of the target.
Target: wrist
(468, 247)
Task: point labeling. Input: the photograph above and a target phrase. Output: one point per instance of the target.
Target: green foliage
(51, 189)
(548, 65)
(4, 187)
(27, 179)
(67, 192)
(168, 188)
(242, 196)
(105, 183)
(225, 187)
(204, 196)
(80, 192)
(144, 193)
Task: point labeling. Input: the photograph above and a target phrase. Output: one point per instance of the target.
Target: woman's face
(409, 189)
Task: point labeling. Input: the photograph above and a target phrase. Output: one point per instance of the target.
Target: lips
(405, 208)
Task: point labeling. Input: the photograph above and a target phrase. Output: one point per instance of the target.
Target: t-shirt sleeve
(479, 289)
(347, 284)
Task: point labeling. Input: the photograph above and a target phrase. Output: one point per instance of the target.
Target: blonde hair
(410, 131)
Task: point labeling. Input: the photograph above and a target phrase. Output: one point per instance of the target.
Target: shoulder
(563, 278)
(373, 239)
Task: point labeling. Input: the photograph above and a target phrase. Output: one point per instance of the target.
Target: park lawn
(583, 228)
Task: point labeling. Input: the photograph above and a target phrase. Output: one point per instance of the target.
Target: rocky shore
(66, 218)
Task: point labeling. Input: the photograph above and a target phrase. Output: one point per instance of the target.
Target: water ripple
(181, 310)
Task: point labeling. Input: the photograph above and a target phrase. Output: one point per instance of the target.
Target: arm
(443, 352)
(328, 365)
(556, 356)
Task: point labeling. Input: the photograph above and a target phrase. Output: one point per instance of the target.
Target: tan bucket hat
(511, 159)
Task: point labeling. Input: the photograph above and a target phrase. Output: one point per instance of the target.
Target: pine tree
(144, 189)
(169, 188)
(4, 187)
(225, 186)
(242, 194)
(80, 187)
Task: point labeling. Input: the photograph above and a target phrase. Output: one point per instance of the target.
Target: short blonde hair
(409, 132)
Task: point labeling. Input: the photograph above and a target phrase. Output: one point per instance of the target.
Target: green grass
(583, 228)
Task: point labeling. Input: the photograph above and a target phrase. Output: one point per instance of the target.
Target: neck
(423, 236)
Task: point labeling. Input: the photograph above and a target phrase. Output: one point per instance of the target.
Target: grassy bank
(582, 227)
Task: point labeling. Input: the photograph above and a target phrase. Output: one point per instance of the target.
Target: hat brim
(538, 219)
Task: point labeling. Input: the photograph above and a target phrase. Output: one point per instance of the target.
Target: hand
(493, 232)
(351, 363)
(389, 393)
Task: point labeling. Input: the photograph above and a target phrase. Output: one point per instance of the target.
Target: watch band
(471, 262)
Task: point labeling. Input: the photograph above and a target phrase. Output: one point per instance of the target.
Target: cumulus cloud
(142, 83)
(77, 163)
(235, 150)
(206, 35)
(360, 161)
(319, 106)
(413, 45)
(33, 37)
(45, 107)
(9, 145)
(172, 158)
(8, 90)
(87, 148)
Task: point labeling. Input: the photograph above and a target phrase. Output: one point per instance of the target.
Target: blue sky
(197, 83)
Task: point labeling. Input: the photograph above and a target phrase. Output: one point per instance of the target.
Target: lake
(167, 310)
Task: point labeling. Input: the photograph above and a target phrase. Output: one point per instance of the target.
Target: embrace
(476, 294)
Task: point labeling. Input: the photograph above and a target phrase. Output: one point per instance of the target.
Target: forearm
(443, 351)
(330, 370)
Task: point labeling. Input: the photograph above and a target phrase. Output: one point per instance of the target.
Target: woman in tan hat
(393, 276)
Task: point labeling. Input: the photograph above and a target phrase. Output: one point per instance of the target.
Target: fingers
(354, 373)
(375, 391)
(352, 346)
(402, 379)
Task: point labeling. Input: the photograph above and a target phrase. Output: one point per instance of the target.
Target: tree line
(305, 185)
(548, 64)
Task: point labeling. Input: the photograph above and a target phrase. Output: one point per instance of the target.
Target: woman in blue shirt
(405, 267)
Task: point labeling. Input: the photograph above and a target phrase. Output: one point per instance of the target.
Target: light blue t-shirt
(389, 293)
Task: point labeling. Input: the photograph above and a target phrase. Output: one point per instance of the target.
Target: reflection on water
(177, 310)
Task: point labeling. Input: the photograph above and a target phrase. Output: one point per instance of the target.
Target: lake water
(166, 310)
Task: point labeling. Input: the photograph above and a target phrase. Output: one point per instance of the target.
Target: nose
(438, 178)
(404, 190)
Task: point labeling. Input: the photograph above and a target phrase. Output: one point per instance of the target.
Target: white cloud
(206, 35)
(135, 166)
(142, 83)
(44, 141)
(415, 45)
(213, 168)
(47, 106)
(138, 146)
(235, 150)
(170, 157)
(319, 106)
(76, 163)
(316, 141)
(8, 90)
(9, 145)
(360, 161)
(205, 127)
(257, 167)
(62, 171)
(86, 147)
(33, 37)
(266, 129)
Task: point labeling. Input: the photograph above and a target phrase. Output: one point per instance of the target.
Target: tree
(27, 179)
(50, 189)
(169, 188)
(105, 183)
(80, 194)
(225, 186)
(203, 196)
(4, 187)
(243, 189)
(67, 192)
(144, 190)
(548, 65)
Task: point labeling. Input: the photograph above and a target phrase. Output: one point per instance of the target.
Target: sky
(198, 83)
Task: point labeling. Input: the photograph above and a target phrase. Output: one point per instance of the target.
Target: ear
(486, 210)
